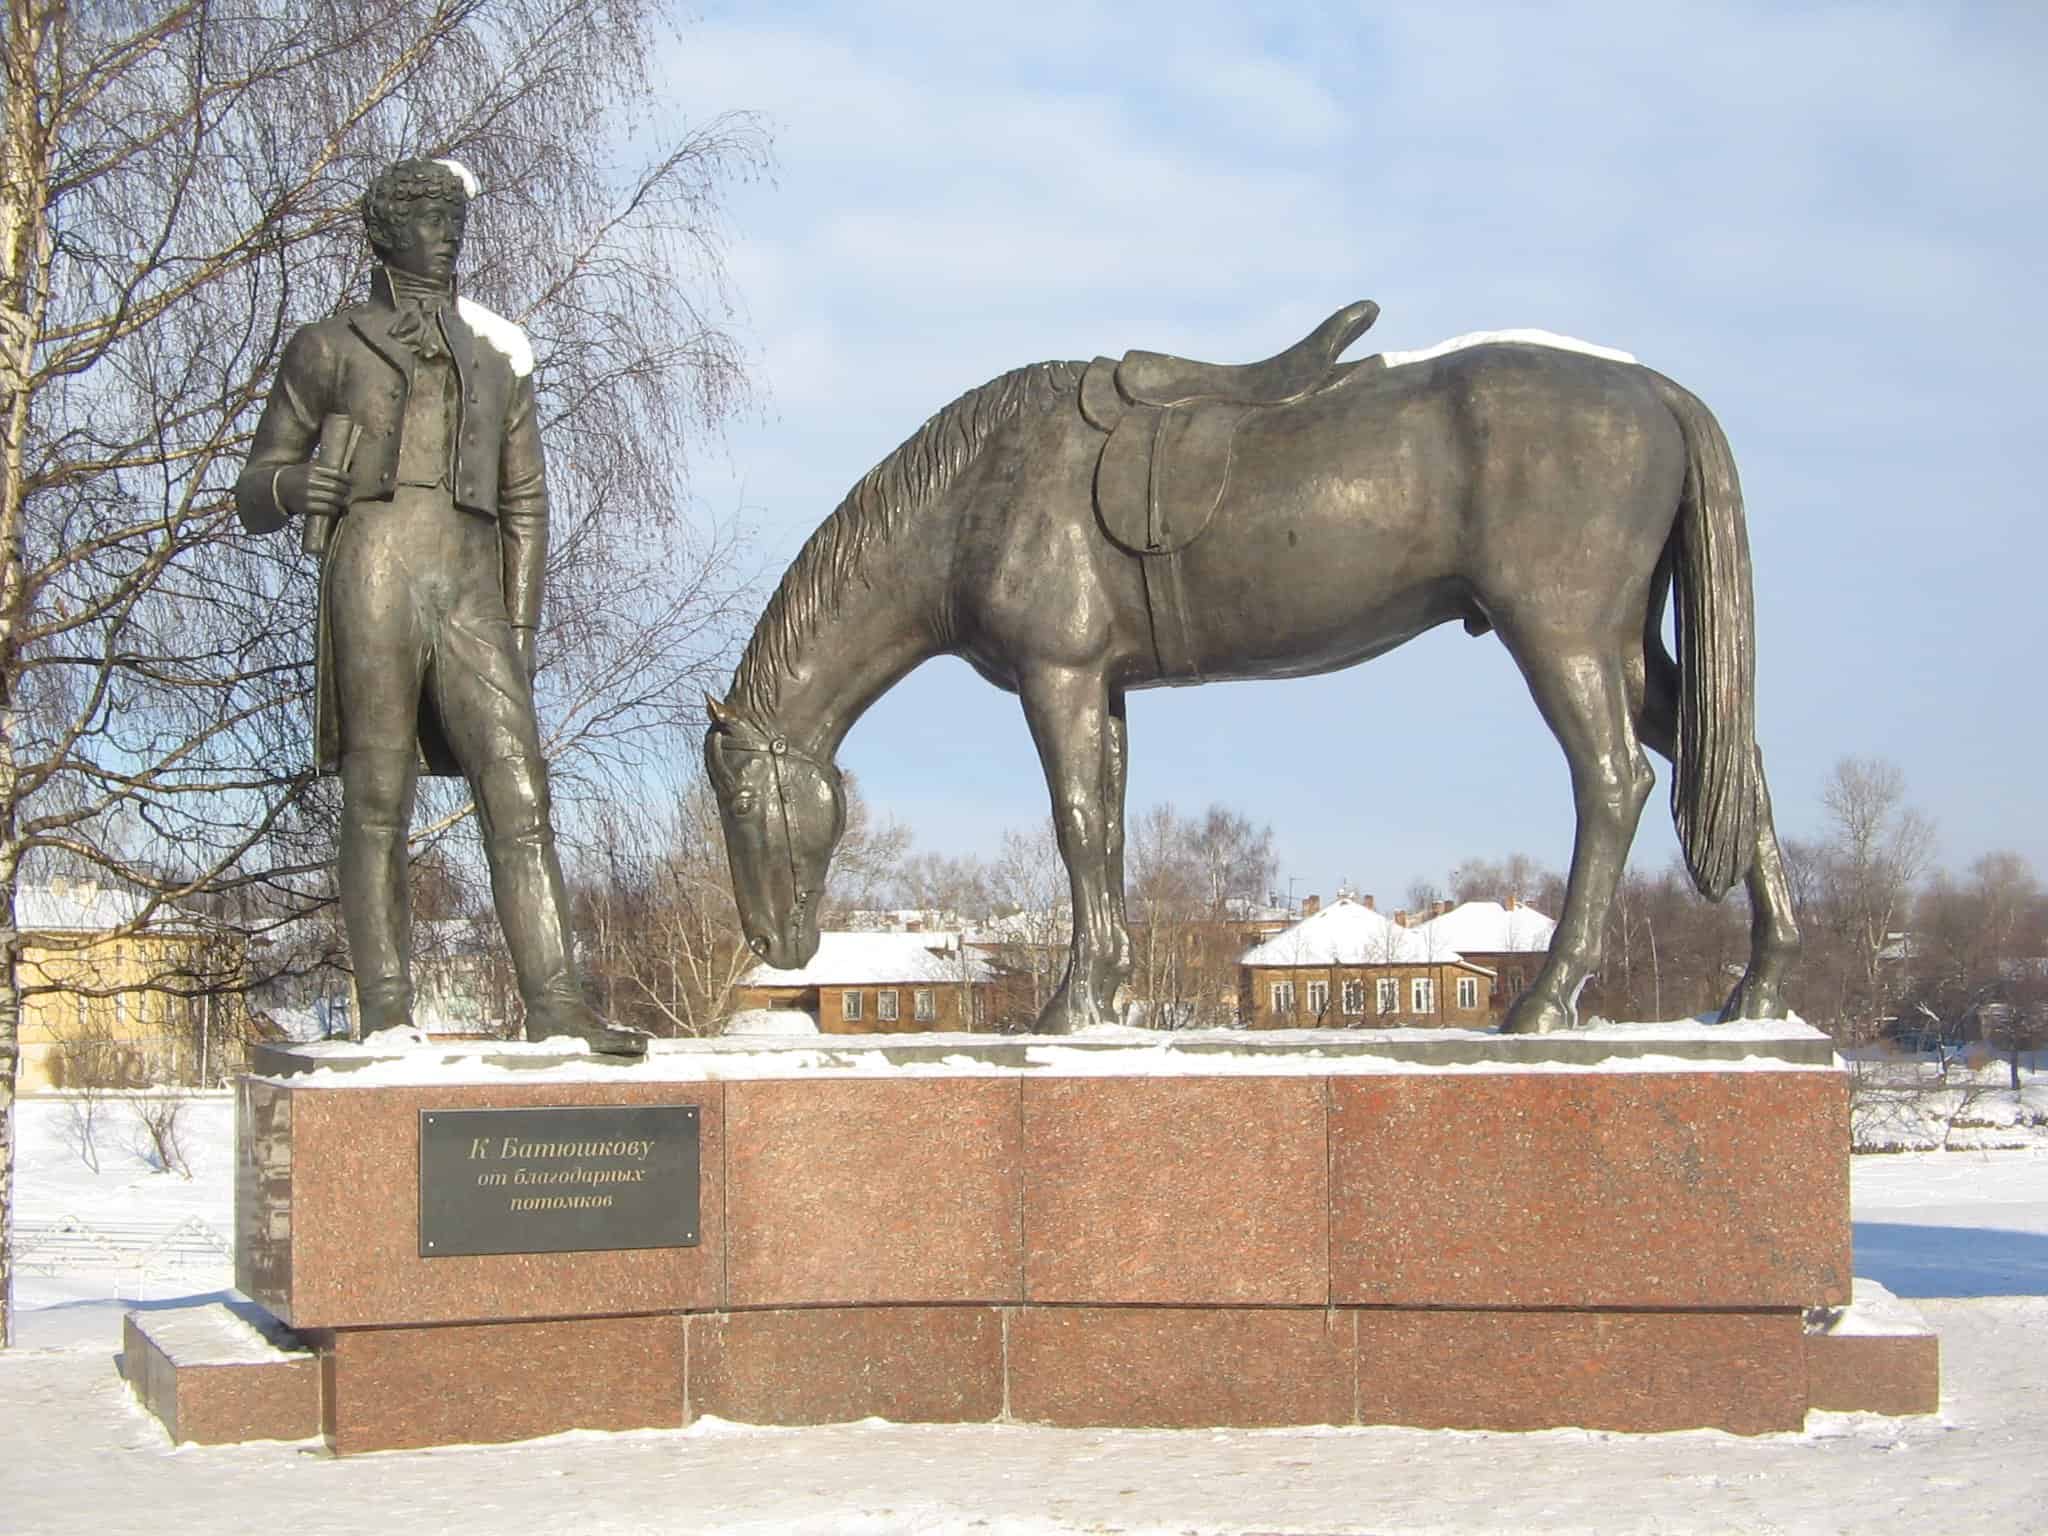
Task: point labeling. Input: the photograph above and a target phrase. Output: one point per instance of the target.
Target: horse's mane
(873, 513)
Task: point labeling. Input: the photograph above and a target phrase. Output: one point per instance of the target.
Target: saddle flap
(1163, 473)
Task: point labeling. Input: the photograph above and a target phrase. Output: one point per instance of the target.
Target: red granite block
(831, 1365)
(391, 1388)
(1181, 1367)
(1623, 1189)
(845, 1191)
(265, 1395)
(1637, 1371)
(1182, 1190)
(1874, 1373)
(346, 1204)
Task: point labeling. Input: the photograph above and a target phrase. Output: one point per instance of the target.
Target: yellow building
(112, 1004)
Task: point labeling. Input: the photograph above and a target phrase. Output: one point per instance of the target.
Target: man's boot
(533, 909)
(376, 907)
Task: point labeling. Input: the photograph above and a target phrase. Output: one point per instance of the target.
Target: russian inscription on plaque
(558, 1180)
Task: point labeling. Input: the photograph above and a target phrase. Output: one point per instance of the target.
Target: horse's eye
(743, 803)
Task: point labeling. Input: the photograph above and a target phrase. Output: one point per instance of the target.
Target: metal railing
(66, 1243)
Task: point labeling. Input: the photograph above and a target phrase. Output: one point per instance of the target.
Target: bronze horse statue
(1075, 531)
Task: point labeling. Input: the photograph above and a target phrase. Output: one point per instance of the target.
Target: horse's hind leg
(1081, 746)
(1583, 695)
(1773, 931)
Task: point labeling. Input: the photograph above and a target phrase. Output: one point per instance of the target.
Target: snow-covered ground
(1964, 1234)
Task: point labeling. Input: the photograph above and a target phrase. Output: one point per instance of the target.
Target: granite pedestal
(1627, 1228)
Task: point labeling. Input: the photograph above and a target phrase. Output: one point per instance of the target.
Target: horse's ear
(721, 717)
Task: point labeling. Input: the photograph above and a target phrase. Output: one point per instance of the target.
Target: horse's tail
(1713, 779)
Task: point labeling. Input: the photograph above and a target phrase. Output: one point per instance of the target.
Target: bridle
(778, 750)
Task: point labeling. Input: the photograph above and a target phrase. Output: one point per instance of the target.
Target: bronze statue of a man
(402, 430)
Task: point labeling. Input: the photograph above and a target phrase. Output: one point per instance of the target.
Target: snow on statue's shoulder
(500, 333)
(1531, 338)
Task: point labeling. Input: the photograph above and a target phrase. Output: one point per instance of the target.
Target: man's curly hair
(400, 190)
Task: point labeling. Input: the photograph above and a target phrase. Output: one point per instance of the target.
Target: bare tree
(939, 882)
(1185, 874)
(1877, 849)
(178, 189)
(1030, 925)
(1517, 875)
(1978, 955)
(1669, 952)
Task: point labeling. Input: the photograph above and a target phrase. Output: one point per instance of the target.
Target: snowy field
(1963, 1234)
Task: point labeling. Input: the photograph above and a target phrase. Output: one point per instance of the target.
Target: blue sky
(1825, 221)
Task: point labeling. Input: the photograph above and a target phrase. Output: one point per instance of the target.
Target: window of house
(1318, 997)
(849, 1007)
(1422, 994)
(1354, 997)
(1514, 983)
(1468, 991)
(925, 1003)
(885, 1006)
(1390, 994)
(1283, 997)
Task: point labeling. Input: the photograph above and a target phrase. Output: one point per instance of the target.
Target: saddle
(1171, 422)
(1172, 426)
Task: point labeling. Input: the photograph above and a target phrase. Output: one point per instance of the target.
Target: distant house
(879, 983)
(1349, 966)
(108, 1008)
(1508, 938)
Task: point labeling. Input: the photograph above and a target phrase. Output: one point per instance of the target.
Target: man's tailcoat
(352, 363)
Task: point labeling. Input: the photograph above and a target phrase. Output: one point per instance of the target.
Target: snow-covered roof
(900, 920)
(87, 908)
(1349, 933)
(868, 959)
(1023, 928)
(1487, 927)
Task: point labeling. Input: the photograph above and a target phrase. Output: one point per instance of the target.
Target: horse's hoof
(1532, 1015)
(1057, 1017)
(1754, 999)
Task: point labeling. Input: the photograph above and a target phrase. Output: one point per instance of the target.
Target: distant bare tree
(1978, 955)
(939, 882)
(1183, 874)
(1030, 911)
(1517, 875)
(1877, 849)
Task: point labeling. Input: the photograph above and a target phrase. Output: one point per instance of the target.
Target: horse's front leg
(1081, 749)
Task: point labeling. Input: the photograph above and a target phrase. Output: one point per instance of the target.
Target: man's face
(428, 242)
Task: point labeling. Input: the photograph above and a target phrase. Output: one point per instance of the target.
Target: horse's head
(783, 813)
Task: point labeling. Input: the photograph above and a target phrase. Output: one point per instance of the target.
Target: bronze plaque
(559, 1180)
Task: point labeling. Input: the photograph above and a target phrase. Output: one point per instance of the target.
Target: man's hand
(309, 490)
(523, 637)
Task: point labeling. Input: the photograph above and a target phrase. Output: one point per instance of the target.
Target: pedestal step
(222, 1372)
(1877, 1356)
